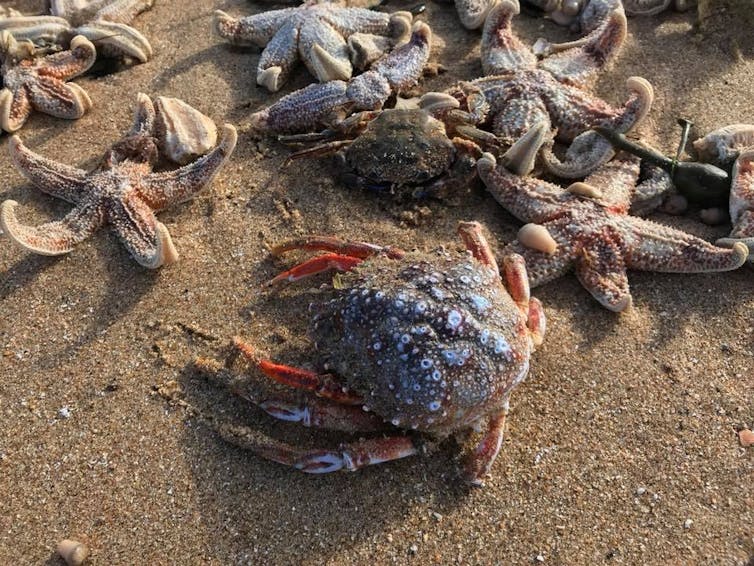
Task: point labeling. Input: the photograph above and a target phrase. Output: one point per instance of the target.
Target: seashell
(183, 133)
(73, 552)
(537, 237)
(584, 190)
(746, 437)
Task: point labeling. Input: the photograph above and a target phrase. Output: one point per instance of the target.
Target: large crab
(429, 151)
(426, 342)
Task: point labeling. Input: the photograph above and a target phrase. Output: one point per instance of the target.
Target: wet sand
(621, 446)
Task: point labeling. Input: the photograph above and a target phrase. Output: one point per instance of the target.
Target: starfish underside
(328, 37)
(742, 202)
(595, 235)
(104, 22)
(523, 90)
(123, 191)
(33, 82)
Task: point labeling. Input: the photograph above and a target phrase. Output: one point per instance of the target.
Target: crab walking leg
(314, 266)
(480, 461)
(321, 384)
(476, 243)
(352, 456)
(318, 413)
(361, 250)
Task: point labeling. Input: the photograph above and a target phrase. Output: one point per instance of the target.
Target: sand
(621, 446)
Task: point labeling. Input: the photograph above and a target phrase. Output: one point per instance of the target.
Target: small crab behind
(417, 345)
(430, 151)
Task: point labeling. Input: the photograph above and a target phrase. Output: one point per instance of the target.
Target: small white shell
(584, 190)
(73, 552)
(537, 237)
(183, 133)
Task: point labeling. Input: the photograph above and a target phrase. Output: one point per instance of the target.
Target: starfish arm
(573, 110)
(53, 238)
(160, 190)
(742, 195)
(123, 11)
(278, 57)
(56, 98)
(502, 51)
(518, 115)
(71, 63)
(650, 193)
(303, 109)
(586, 154)
(402, 67)
(601, 269)
(527, 198)
(144, 116)
(117, 40)
(616, 180)
(324, 51)
(15, 107)
(56, 179)
(358, 20)
(542, 267)
(646, 7)
(652, 246)
(258, 29)
(473, 13)
(146, 239)
(580, 64)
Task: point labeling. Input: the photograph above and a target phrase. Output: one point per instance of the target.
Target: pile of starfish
(40, 53)
(535, 99)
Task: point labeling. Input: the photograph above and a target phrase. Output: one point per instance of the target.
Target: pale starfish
(742, 200)
(32, 81)
(569, 12)
(104, 22)
(593, 233)
(523, 91)
(326, 36)
(328, 104)
(123, 191)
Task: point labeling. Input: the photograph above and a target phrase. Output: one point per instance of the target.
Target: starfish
(327, 36)
(38, 82)
(742, 202)
(569, 12)
(104, 22)
(330, 103)
(123, 191)
(522, 90)
(592, 230)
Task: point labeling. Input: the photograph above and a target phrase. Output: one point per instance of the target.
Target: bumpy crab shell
(432, 343)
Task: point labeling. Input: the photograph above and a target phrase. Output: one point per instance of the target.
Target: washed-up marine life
(430, 151)
(594, 234)
(32, 81)
(182, 132)
(579, 13)
(329, 104)
(523, 91)
(122, 191)
(103, 22)
(415, 345)
(330, 38)
(701, 183)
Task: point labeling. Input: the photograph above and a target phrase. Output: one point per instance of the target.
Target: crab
(429, 151)
(416, 345)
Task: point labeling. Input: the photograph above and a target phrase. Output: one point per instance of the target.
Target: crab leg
(321, 384)
(476, 243)
(315, 265)
(361, 250)
(481, 459)
(318, 413)
(350, 457)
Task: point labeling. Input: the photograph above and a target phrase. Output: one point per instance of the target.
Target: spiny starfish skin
(319, 34)
(472, 13)
(523, 91)
(595, 236)
(566, 12)
(78, 12)
(38, 83)
(742, 202)
(123, 191)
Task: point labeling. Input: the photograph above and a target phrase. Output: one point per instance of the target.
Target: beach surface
(621, 446)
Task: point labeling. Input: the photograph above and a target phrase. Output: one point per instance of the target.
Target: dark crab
(416, 345)
(430, 151)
